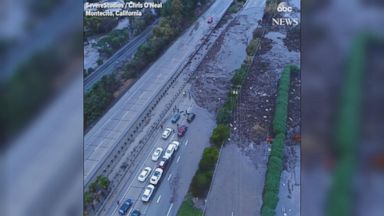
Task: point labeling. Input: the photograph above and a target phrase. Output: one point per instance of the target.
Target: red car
(210, 19)
(181, 130)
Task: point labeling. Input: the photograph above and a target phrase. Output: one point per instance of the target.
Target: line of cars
(162, 166)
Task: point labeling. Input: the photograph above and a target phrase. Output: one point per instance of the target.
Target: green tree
(177, 13)
(103, 182)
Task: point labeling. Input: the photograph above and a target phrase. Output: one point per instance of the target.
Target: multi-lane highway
(174, 183)
(110, 131)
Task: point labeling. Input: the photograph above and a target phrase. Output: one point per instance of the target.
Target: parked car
(190, 117)
(156, 154)
(144, 174)
(166, 133)
(155, 178)
(175, 118)
(169, 152)
(135, 213)
(148, 191)
(181, 130)
(126, 205)
(176, 143)
(210, 19)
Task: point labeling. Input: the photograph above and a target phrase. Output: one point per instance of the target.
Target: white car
(156, 176)
(166, 133)
(144, 174)
(156, 154)
(148, 191)
(176, 143)
(169, 152)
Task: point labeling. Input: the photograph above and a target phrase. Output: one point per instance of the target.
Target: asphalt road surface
(108, 131)
(175, 181)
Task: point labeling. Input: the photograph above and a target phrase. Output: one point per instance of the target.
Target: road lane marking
(232, 213)
(186, 143)
(169, 210)
(136, 172)
(158, 199)
(178, 159)
(170, 175)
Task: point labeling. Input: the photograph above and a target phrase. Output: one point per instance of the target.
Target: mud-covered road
(213, 76)
(251, 124)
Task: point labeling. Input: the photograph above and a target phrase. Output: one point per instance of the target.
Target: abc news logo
(283, 7)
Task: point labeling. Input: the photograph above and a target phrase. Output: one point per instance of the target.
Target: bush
(200, 183)
(103, 182)
(281, 110)
(99, 98)
(113, 41)
(267, 211)
(208, 162)
(98, 25)
(88, 198)
(188, 209)
(203, 176)
(223, 115)
(253, 46)
(220, 134)
(278, 145)
(275, 162)
(270, 199)
(239, 75)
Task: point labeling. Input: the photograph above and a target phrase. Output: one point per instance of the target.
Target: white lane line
(136, 172)
(232, 213)
(170, 175)
(186, 143)
(169, 210)
(158, 199)
(178, 159)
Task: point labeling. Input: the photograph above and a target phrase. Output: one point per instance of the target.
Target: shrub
(223, 115)
(88, 198)
(239, 75)
(220, 134)
(209, 159)
(103, 182)
(99, 98)
(253, 46)
(267, 211)
(200, 183)
(270, 199)
(281, 108)
(275, 162)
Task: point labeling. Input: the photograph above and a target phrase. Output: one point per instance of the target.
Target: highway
(109, 131)
(175, 181)
(116, 60)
